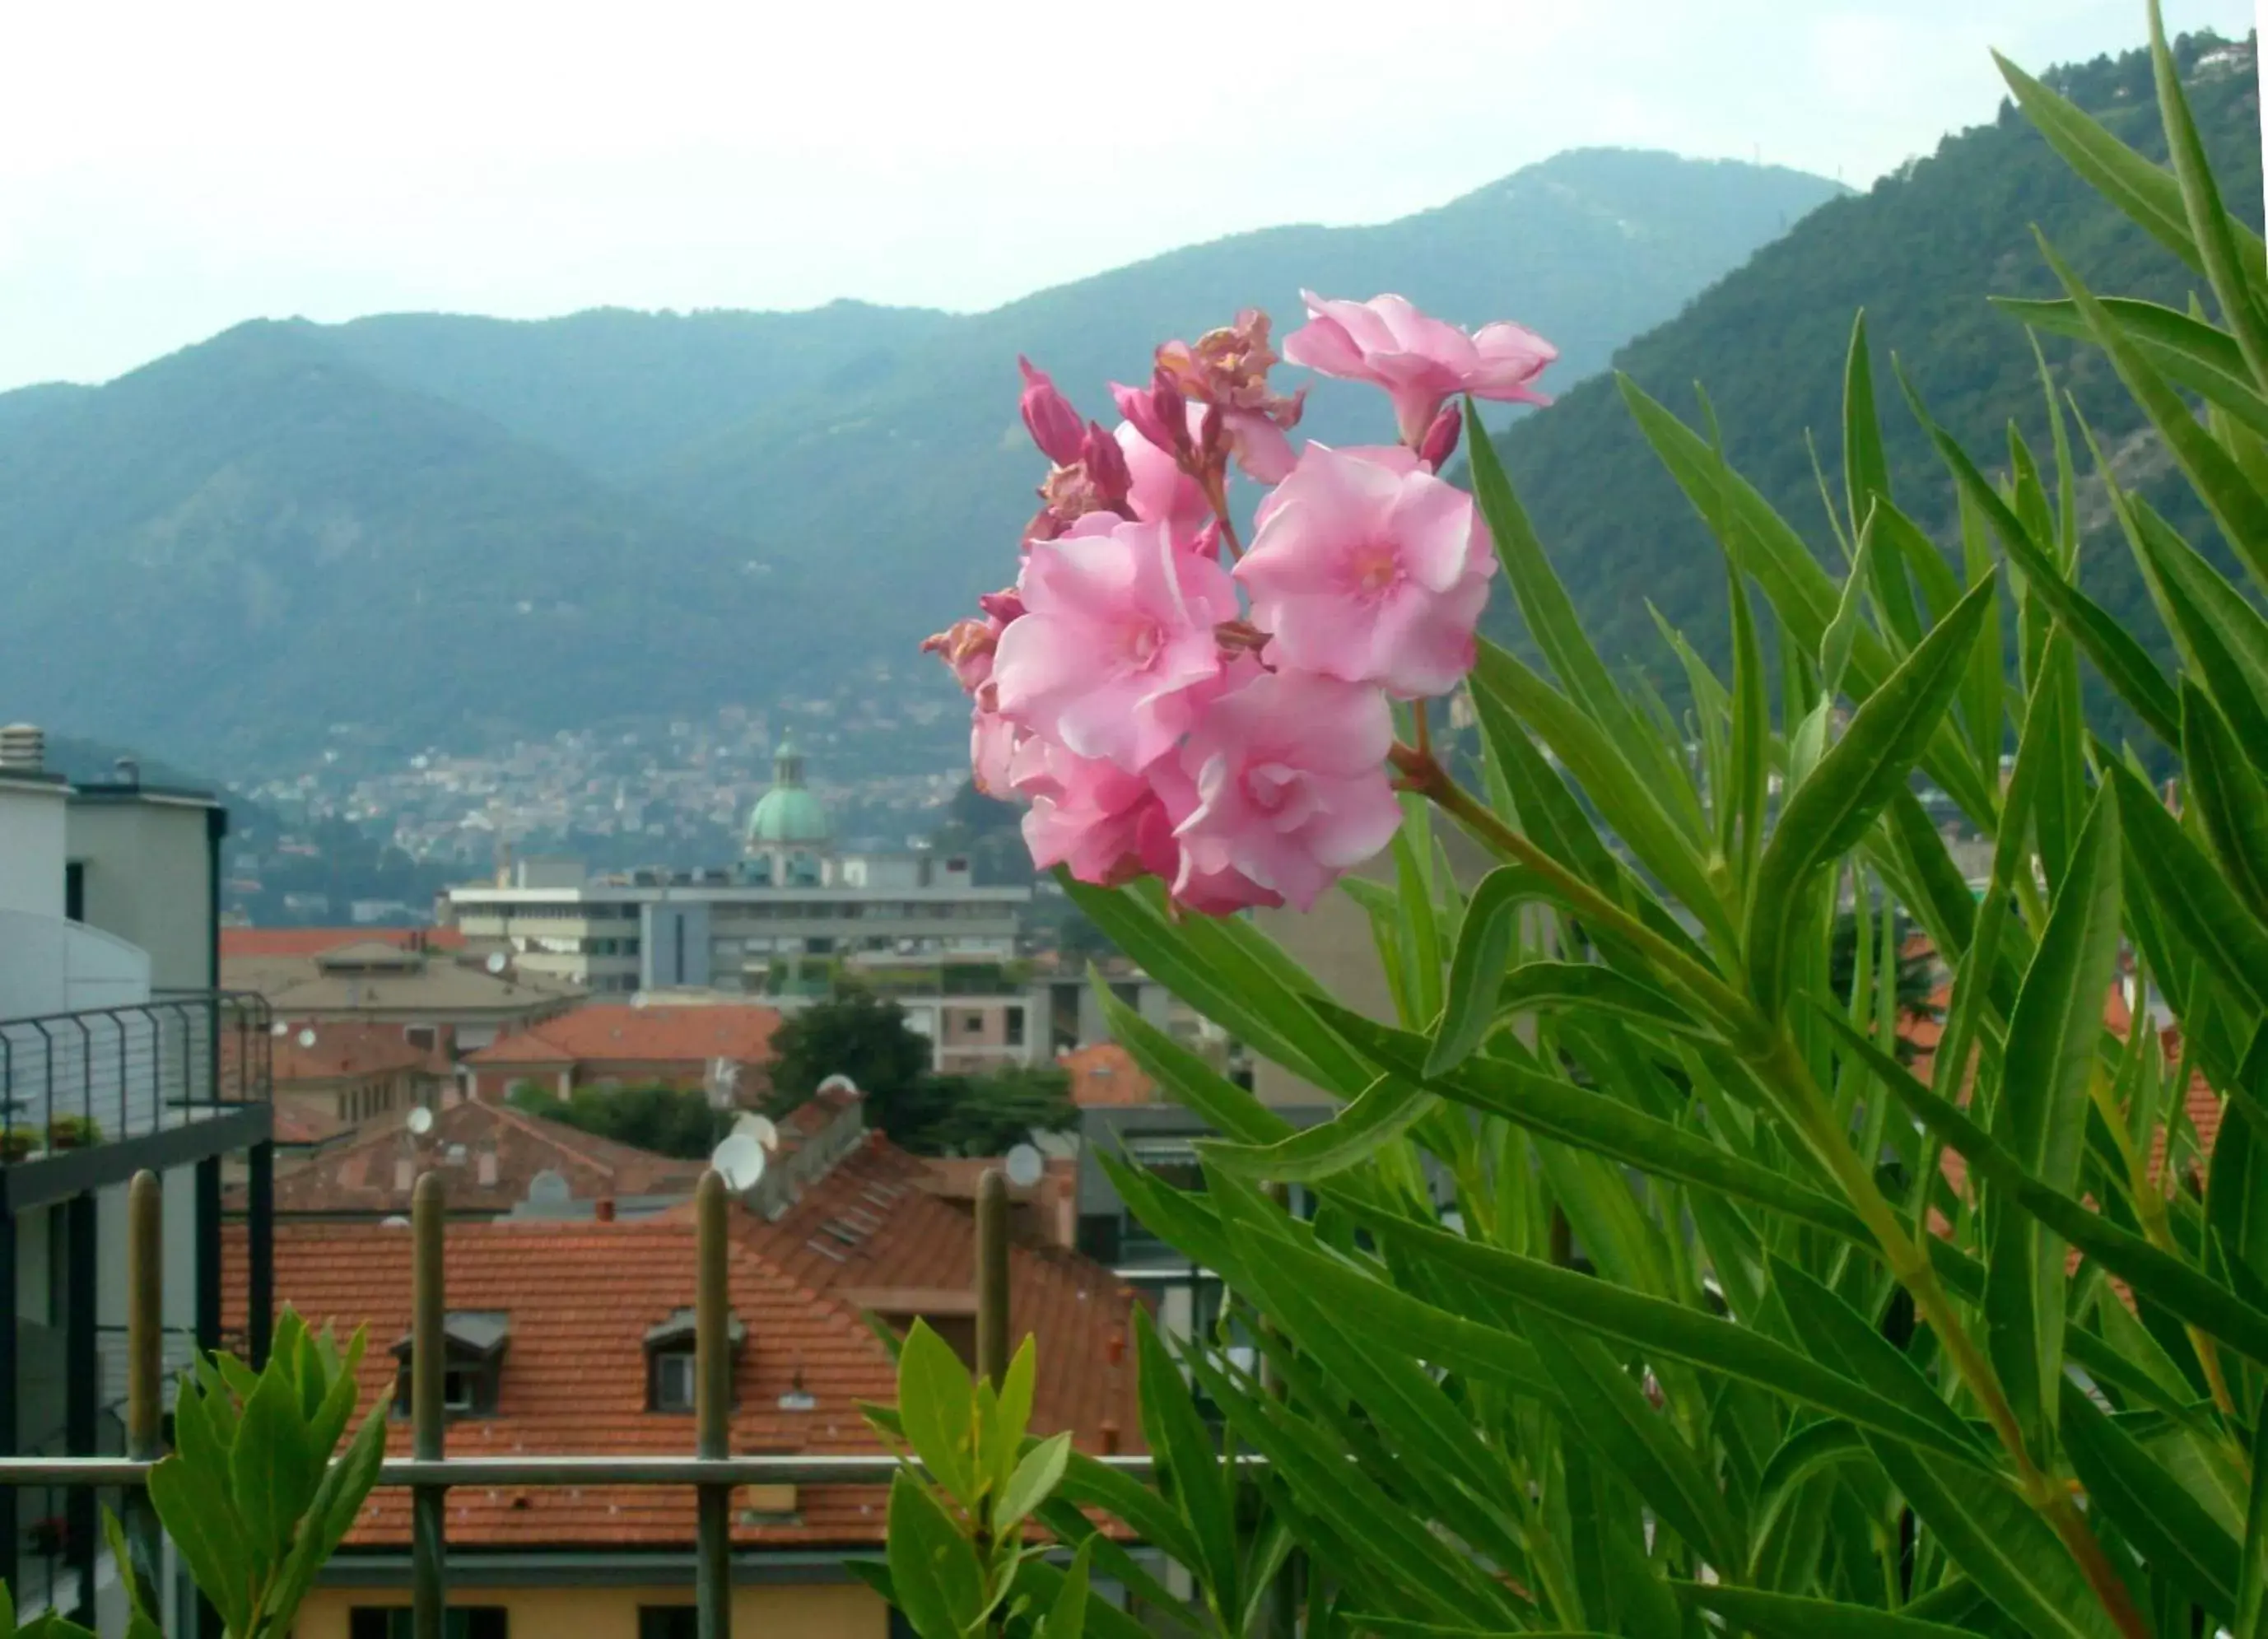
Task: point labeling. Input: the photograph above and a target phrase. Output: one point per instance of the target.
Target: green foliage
(960, 1560)
(1636, 1297)
(856, 1034)
(251, 1494)
(406, 520)
(1927, 252)
(667, 1120)
(981, 1115)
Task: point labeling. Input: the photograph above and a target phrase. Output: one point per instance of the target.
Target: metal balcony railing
(99, 1075)
(709, 1469)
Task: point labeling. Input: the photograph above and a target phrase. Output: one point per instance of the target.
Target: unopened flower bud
(1172, 410)
(1440, 440)
(1139, 406)
(1105, 466)
(1003, 606)
(1048, 415)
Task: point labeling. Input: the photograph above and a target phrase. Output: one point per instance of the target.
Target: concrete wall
(50, 965)
(783, 1610)
(149, 880)
(32, 845)
(674, 943)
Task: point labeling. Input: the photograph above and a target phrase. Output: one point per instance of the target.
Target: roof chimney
(486, 1166)
(405, 1175)
(23, 748)
(604, 1209)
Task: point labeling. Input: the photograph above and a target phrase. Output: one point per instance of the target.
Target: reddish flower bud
(1440, 440)
(1172, 410)
(1105, 466)
(1141, 410)
(1048, 415)
(1003, 606)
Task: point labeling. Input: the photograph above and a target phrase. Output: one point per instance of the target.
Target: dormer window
(671, 1378)
(474, 1341)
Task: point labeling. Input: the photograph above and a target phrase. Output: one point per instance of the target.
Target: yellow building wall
(815, 1611)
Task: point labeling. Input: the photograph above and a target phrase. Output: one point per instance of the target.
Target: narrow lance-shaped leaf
(1831, 810)
(2210, 224)
(2229, 797)
(2041, 1120)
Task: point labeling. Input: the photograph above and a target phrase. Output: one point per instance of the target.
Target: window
(460, 1391)
(75, 890)
(474, 1340)
(460, 1622)
(673, 1379)
(1015, 1022)
(668, 1622)
(420, 1036)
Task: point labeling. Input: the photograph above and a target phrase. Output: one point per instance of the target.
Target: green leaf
(1195, 1085)
(2210, 224)
(2229, 797)
(2188, 352)
(133, 1574)
(2171, 1283)
(272, 1474)
(1793, 1616)
(1191, 1474)
(2188, 894)
(338, 1499)
(1679, 1333)
(2145, 192)
(933, 1571)
(1089, 1482)
(1594, 989)
(938, 1405)
(2041, 1118)
(1850, 614)
(1477, 968)
(2223, 638)
(1387, 1109)
(1032, 1481)
(2123, 661)
(1829, 813)
(2251, 1618)
(2176, 1535)
(193, 1503)
(1066, 1618)
(1752, 750)
(327, 1419)
(2236, 506)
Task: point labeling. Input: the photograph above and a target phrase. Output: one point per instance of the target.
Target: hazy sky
(166, 170)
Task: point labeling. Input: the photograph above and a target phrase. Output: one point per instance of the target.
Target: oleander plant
(1642, 1285)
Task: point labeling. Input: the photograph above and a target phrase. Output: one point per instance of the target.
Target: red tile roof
(873, 1232)
(613, 1032)
(581, 1298)
(1106, 1073)
(241, 942)
(363, 1178)
(344, 1049)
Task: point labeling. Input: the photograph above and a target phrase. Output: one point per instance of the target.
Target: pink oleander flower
(1115, 652)
(1291, 786)
(1421, 362)
(1158, 490)
(1367, 567)
(1211, 887)
(1104, 825)
(1225, 371)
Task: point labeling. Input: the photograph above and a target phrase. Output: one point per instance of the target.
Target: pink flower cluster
(1225, 725)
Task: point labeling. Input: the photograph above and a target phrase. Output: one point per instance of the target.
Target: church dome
(789, 815)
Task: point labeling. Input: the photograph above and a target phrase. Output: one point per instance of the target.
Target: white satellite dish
(1026, 1167)
(838, 1084)
(421, 1120)
(761, 1129)
(739, 1162)
(548, 1188)
(640, 999)
(498, 961)
(307, 1038)
(280, 1027)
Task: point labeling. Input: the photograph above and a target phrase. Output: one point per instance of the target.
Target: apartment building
(118, 1052)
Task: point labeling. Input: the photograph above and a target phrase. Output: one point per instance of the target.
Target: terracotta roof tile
(1106, 1073)
(239, 942)
(342, 1049)
(603, 1032)
(581, 1298)
(363, 1177)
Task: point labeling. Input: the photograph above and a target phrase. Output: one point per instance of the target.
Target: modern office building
(118, 1052)
(779, 923)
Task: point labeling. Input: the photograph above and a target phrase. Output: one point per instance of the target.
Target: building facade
(118, 1052)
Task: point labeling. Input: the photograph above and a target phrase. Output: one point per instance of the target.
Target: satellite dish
(280, 1027)
(307, 1038)
(640, 999)
(1024, 1166)
(396, 1221)
(498, 961)
(838, 1084)
(761, 1129)
(548, 1188)
(739, 1161)
(421, 1120)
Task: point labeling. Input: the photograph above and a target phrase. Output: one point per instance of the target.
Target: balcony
(156, 1083)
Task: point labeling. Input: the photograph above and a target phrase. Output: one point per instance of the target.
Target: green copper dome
(788, 815)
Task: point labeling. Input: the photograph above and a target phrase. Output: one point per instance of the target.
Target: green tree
(856, 1034)
(667, 1120)
(982, 1114)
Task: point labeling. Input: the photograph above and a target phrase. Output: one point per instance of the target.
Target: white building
(118, 1053)
(777, 923)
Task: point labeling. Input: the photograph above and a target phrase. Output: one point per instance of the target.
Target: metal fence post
(992, 1276)
(145, 1292)
(428, 1362)
(712, 1406)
